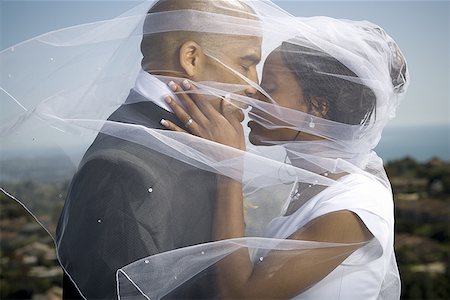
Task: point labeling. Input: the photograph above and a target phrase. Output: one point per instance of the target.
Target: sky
(421, 29)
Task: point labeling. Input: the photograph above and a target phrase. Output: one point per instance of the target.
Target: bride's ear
(191, 59)
(319, 106)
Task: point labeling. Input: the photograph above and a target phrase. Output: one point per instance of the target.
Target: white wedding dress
(366, 271)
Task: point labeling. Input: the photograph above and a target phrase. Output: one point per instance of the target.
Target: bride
(357, 219)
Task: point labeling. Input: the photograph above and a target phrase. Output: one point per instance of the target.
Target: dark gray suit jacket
(110, 218)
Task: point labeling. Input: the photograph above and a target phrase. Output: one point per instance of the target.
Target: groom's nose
(251, 92)
(253, 74)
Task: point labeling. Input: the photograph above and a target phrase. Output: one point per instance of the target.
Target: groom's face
(238, 57)
(234, 63)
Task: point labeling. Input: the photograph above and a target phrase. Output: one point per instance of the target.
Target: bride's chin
(255, 136)
(256, 139)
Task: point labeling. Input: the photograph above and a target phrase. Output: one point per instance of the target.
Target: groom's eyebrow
(252, 58)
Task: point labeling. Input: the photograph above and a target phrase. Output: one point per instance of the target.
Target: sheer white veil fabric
(58, 90)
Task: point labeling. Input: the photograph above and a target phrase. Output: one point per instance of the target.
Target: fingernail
(164, 123)
(168, 99)
(172, 86)
(186, 84)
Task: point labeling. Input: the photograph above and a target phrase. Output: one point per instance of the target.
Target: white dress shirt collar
(153, 89)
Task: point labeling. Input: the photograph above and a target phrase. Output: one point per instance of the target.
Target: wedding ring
(188, 123)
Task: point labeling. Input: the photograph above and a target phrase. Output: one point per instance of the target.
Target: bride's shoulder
(357, 193)
(364, 183)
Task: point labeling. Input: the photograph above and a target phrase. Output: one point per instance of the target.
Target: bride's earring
(311, 123)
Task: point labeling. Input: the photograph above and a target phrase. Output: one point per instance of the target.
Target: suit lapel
(141, 111)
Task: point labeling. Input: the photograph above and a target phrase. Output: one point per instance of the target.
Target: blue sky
(421, 28)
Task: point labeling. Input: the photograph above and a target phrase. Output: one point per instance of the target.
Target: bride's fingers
(203, 104)
(182, 115)
(235, 109)
(171, 126)
(189, 104)
(233, 115)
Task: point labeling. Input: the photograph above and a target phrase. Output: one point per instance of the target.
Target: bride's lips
(251, 124)
(255, 126)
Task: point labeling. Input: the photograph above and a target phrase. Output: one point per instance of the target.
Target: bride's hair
(321, 75)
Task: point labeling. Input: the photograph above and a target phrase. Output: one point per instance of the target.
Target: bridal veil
(58, 90)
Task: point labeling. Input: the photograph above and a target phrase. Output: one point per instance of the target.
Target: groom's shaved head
(216, 6)
(160, 50)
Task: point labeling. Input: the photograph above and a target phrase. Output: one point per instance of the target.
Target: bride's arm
(281, 274)
(234, 271)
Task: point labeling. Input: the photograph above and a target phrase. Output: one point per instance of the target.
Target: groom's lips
(256, 117)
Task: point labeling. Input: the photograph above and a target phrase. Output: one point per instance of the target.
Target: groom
(127, 201)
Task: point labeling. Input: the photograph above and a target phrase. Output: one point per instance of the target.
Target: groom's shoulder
(112, 152)
(111, 148)
(112, 172)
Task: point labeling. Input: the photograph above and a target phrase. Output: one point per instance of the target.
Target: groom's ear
(191, 58)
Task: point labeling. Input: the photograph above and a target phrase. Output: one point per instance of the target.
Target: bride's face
(284, 88)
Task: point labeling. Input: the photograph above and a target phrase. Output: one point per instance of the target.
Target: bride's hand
(203, 120)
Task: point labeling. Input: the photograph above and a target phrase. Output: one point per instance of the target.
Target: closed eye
(245, 68)
(251, 60)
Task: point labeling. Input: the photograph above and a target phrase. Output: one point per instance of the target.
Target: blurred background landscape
(30, 270)
(415, 146)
